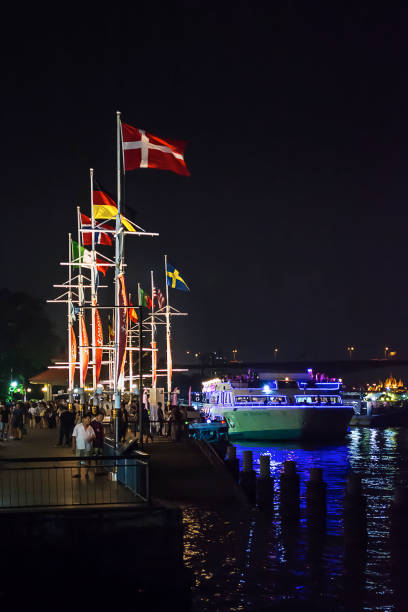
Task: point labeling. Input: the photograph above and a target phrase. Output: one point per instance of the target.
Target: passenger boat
(277, 407)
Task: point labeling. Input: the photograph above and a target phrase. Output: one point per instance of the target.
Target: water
(243, 562)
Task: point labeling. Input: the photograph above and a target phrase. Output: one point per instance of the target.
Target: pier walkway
(180, 472)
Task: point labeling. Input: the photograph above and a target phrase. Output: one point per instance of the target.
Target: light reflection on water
(249, 562)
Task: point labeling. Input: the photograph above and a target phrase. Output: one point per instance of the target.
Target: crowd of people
(17, 419)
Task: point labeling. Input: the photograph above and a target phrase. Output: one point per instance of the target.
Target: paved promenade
(180, 473)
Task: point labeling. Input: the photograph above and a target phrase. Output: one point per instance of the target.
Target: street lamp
(386, 349)
(234, 354)
(350, 350)
(275, 353)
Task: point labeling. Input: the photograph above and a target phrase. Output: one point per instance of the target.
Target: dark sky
(291, 230)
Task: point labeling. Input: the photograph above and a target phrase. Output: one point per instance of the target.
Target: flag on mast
(144, 150)
(105, 206)
(157, 294)
(174, 279)
(98, 343)
(100, 236)
(73, 353)
(84, 257)
(122, 313)
(132, 313)
(144, 299)
(84, 349)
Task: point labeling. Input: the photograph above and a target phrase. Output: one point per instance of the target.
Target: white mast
(153, 344)
(167, 333)
(130, 355)
(81, 312)
(70, 381)
(118, 261)
(93, 291)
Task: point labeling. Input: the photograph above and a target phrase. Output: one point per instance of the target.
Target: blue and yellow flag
(174, 279)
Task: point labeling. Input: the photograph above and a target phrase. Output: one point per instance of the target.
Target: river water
(253, 562)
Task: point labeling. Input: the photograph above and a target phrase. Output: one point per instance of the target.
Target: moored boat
(277, 407)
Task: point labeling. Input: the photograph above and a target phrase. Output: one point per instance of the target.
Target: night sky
(291, 230)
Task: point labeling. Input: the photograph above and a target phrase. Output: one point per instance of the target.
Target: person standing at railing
(160, 417)
(82, 438)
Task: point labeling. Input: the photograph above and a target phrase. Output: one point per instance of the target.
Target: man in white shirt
(82, 437)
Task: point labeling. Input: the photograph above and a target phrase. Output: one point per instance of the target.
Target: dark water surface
(253, 562)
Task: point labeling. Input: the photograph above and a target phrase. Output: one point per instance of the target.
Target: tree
(27, 338)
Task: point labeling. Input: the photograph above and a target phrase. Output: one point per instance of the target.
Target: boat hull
(288, 423)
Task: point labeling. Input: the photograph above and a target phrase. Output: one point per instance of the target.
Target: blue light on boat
(208, 420)
(266, 388)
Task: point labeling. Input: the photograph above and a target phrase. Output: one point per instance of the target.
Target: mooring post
(316, 494)
(289, 492)
(264, 484)
(232, 462)
(248, 476)
(354, 513)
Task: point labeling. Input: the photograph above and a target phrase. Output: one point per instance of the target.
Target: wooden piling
(316, 495)
(264, 484)
(232, 462)
(248, 477)
(289, 492)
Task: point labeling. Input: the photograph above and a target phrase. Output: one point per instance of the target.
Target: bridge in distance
(330, 368)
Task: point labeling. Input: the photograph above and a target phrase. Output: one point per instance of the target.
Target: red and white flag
(143, 150)
(157, 294)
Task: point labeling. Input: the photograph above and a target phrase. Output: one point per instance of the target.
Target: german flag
(105, 206)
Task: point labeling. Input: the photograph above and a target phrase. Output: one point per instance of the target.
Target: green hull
(288, 424)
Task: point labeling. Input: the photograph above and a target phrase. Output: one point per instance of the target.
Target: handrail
(73, 458)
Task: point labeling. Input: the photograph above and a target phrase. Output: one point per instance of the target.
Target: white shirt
(83, 436)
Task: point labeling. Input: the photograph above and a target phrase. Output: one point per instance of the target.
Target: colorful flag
(122, 313)
(157, 294)
(84, 349)
(174, 279)
(154, 364)
(84, 257)
(98, 343)
(143, 150)
(111, 330)
(100, 237)
(105, 207)
(144, 299)
(132, 313)
(73, 353)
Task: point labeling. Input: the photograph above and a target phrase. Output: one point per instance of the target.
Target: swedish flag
(174, 279)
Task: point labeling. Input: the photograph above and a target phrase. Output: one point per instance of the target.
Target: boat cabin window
(328, 400)
(260, 400)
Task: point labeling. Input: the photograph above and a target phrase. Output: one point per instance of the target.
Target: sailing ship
(277, 407)
(129, 324)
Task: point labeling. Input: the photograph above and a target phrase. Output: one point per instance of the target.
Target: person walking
(17, 421)
(146, 425)
(4, 421)
(66, 425)
(160, 417)
(97, 426)
(123, 424)
(82, 438)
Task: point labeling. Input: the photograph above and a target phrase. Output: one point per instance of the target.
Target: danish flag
(143, 150)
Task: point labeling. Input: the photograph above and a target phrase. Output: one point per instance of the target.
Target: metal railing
(76, 481)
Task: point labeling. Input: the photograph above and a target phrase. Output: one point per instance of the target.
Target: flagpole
(116, 372)
(140, 385)
(70, 377)
(153, 344)
(130, 357)
(81, 314)
(167, 333)
(93, 297)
